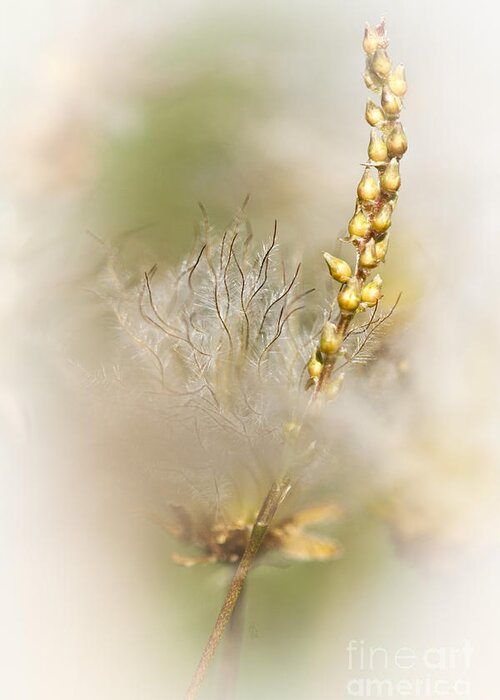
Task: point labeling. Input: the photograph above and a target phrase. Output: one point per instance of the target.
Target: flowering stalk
(368, 233)
(375, 202)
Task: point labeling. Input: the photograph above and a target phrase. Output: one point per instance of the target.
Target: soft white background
(80, 618)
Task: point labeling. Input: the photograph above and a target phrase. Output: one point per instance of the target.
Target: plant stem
(274, 497)
(232, 651)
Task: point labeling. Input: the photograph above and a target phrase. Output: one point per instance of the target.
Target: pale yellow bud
(382, 219)
(372, 82)
(397, 81)
(332, 388)
(368, 257)
(368, 188)
(381, 63)
(380, 31)
(331, 339)
(373, 113)
(372, 292)
(359, 225)
(377, 150)
(397, 143)
(291, 429)
(349, 297)
(338, 268)
(315, 365)
(370, 40)
(381, 248)
(390, 179)
(391, 104)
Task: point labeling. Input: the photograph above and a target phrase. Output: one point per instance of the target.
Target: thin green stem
(276, 494)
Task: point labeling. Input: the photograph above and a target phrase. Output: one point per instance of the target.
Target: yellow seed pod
(372, 292)
(377, 150)
(397, 81)
(368, 188)
(330, 340)
(373, 113)
(381, 248)
(390, 179)
(368, 257)
(349, 298)
(370, 40)
(391, 104)
(315, 365)
(381, 63)
(338, 268)
(359, 225)
(382, 219)
(397, 143)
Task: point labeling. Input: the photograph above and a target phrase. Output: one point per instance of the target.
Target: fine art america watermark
(432, 672)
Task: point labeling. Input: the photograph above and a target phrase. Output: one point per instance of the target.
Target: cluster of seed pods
(376, 199)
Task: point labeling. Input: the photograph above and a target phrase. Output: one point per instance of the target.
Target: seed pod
(372, 292)
(381, 248)
(349, 298)
(331, 339)
(391, 104)
(315, 365)
(377, 150)
(368, 257)
(381, 63)
(370, 40)
(397, 142)
(359, 225)
(339, 269)
(390, 179)
(373, 113)
(368, 188)
(372, 81)
(397, 81)
(382, 219)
